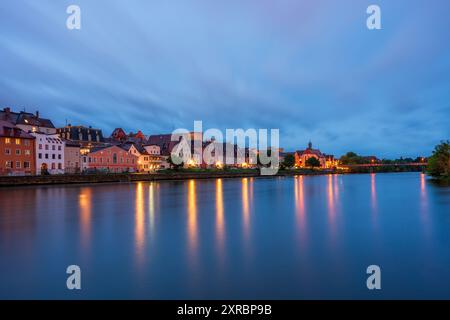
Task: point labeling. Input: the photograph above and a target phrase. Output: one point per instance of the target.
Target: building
(151, 158)
(86, 137)
(72, 157)
(112, 159)
(148, 156)
(16, 151)
(49, 152)
(166, 145)
(28, 122)
(301, 156)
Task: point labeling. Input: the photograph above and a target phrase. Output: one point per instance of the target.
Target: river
(302, 237)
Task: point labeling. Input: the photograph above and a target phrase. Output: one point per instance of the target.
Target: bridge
(410, 164)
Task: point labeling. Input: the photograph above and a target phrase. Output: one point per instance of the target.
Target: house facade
(72, 158)
(112, 159)
(16, 151)
(49, 152)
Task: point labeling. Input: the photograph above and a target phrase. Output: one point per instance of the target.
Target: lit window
(8, 140)
(17, 141)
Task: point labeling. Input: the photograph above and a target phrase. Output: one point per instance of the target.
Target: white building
(49, 153)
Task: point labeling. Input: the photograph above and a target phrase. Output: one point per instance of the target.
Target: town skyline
(314, 71)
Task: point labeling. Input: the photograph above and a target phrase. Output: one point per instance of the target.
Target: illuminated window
(7, 140)
(17, 141)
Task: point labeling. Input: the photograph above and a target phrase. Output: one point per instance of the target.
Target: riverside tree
(439, 163)
(313, 162)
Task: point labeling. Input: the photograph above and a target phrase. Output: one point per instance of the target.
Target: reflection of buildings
(302, 156)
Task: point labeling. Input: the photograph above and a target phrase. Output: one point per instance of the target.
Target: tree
(289, 161)
(439, 163)
(313, 162)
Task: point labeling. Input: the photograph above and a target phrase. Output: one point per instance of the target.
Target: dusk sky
(310, 68)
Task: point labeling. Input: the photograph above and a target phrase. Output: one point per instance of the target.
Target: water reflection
(192, 217)
(331, 193)
(220, 224)
(245, 206)
(140, 221)
(373, 196)
(85, 207)
(151, 207)
(424, 204)
(299, 203)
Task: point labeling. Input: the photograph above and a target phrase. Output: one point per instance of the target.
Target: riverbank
(184, 174)
(7, 181)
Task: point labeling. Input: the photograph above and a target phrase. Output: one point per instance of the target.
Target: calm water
(294, 237)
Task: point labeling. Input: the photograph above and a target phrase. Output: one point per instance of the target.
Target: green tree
(313, 162)
(439, 163)
(289, 161)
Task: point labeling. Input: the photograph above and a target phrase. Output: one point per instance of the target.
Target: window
(8, 140)
(40, 155)
(40, 146)
(18, 152)
(59, 156)
(26, 165)
(17, 141)
(27, 152)
(8, 152)
(53, 147)
(59, 148)
(46, 147)
(46, 156)
(114, 157)
(8, 164)
(121, 159)
(17, 164)
(53, 156)
(60, 166)
(27, 143)
(53, 166)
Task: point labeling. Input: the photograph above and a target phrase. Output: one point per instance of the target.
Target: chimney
(37, 114)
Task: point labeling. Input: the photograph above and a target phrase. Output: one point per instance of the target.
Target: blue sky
(310, 68)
